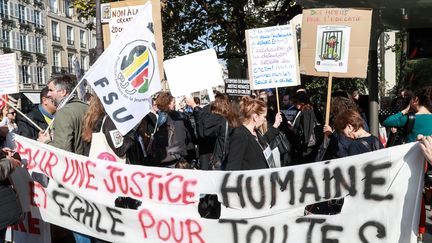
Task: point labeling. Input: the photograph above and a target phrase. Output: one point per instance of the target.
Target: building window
(68, 8)
(70, 36)
(70, 63)
(53, 6)
(25, 74)
(5, 38)
(83, 41)
(4, 9)
(83, 63)
(40, 77)
(39, 45)
(56, 62)
(21, 13)
(55, 31)
(37, 19)
(23, 42)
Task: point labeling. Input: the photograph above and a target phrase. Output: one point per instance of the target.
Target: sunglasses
(12, 113)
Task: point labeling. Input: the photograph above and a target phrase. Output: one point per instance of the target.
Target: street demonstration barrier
(381, 191)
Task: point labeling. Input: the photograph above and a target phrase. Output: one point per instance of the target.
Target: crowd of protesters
(241, 133)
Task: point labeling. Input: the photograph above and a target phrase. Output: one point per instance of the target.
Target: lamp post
(99, 36)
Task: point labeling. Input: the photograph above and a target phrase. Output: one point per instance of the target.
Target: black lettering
(381, 230)
(101, 82)
(234, 226)
(370, 181)
(122, 119)
(89, 213)
(327, 180)
(236, 190)
(327, 228)
(309, 176)
(252, 230)
(259, 204)
(339, 180)
(64, 195)
(77, 210)
(115, 220)
(274, 178)
(98, 221)
(312, 222)
(108, 100)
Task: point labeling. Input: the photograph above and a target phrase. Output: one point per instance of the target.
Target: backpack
(169, 142)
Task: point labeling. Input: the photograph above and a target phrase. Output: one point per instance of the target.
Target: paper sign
(359, 24)
(9, 80)
(332, 48)
(385, 186)
(122, 13)
(272, 57)
(193, 72)
(237, 87)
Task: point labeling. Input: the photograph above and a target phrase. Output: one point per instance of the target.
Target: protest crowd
(244, 133)
(270, 129)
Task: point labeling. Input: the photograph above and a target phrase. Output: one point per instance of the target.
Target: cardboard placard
(272, 57)
(124, 11)
(359, 22)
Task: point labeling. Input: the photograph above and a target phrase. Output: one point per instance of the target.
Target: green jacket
(68, 126)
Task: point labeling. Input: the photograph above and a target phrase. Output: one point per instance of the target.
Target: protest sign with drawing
(272, 57)
(335, 43)
(385, 186)
(126, 74)
(193, 72)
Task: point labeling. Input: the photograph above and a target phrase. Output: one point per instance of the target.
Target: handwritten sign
(265, 204)
(9, 81)
(352, 23)
(237, 87)
(118, 18)
(272, 57)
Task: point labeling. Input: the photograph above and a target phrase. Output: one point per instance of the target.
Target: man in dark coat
(41, 114)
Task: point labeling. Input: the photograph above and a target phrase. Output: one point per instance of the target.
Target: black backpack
(169, 142)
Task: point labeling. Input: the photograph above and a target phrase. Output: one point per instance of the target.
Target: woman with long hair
(124, 147)
(211, 125)
(249, 148)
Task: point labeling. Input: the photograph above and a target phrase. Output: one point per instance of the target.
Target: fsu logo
(134, 68)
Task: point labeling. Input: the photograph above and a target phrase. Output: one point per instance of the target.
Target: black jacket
(245, 153)
(26, 129)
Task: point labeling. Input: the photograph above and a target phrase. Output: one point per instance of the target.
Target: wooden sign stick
(329, 91)
(277, 99)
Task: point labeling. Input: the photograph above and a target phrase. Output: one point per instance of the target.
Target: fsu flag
(126, 75)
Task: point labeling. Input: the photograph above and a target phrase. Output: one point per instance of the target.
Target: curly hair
(94, 112)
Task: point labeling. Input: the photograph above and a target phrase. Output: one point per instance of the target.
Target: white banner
(126, 74)
(381, 191)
